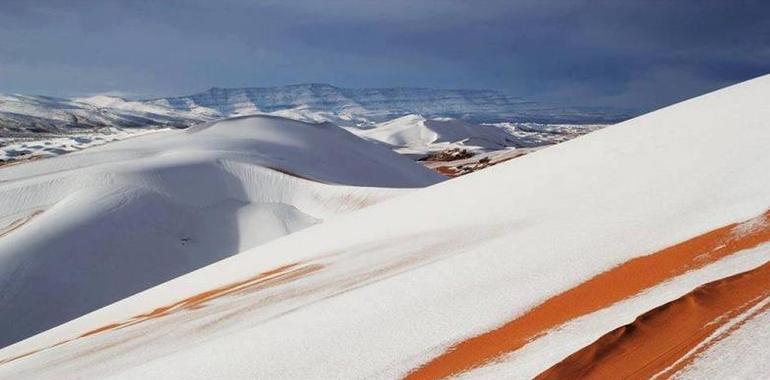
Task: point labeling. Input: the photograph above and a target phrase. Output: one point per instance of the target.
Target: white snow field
(16, 150)
(80, 231)
(728, 358)
(414, 134)
(417, 135)
(381, 291)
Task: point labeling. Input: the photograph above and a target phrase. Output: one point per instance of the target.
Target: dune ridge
(563, 245)
(664, 340)
(598, 292)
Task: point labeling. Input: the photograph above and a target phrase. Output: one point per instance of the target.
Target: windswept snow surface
(742, 355)
(530, 360)
(416, 134)
(384, 291)
(80, 231)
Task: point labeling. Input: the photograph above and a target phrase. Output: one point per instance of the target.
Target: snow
(419, 137)
(538, 134)
(743, 354)
(416, 134)
(93, 227)
(398, 282)
(29, 116)
(22, 115)
(452, 117)
(24, 149)
(381, 104)
(548, 350)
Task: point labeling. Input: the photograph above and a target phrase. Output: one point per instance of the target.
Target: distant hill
(23, 116)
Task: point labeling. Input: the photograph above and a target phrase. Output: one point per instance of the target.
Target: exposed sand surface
(664, 340)
(502, 273)
(599, 292)
(129, 215)
(264, 280)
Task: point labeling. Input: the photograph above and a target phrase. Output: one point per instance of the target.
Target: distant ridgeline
(22, 115)
(380, 104)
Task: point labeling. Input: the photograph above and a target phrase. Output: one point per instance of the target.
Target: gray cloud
(639, 54)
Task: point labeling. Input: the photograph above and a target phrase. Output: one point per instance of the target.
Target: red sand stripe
(660, 341)
(599, 292)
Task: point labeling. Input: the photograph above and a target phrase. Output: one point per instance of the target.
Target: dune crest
(664, 340)
(623, 281)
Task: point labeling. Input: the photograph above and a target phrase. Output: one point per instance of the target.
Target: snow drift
(80, 231)
(410, 286)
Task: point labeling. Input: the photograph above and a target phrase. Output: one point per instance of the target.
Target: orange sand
(597, 293)
(469, 165)
(446, 171)
(660, 341)
(263, 280)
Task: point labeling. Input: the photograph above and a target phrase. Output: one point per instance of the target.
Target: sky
(631, 54)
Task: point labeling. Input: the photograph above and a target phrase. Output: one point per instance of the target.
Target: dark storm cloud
(639, 54)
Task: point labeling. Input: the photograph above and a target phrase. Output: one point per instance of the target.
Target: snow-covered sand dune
(83, 230)
(503, 273)
(414, 134)
(455, 147)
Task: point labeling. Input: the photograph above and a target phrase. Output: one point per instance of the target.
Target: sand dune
(534, 258)
(623, 281)
(663, 341)
(126, 216)
(18, 223)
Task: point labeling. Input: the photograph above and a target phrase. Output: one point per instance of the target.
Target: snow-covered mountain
(640, 250)
(30, 116)
(349, 106)
(22, 115)
(80, 231)
(33, 127)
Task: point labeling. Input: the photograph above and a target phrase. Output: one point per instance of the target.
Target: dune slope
(84, 230)
(387, 290)
(418, 135)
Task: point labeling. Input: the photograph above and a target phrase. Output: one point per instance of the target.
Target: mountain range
(24, 116)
